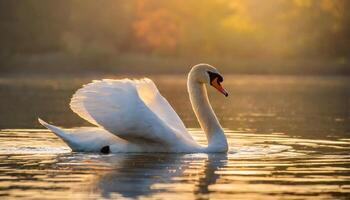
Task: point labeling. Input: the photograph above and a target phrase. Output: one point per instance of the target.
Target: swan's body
(132, 116)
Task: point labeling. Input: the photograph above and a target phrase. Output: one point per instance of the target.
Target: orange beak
(218, 86)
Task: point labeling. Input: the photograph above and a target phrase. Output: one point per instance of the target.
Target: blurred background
(286, 65)
(155, 36)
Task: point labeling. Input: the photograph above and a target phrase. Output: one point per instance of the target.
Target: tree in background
(239, 29)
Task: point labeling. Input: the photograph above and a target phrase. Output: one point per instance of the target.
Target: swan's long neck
(206, 117)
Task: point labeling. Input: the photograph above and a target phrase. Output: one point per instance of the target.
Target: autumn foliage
(226, 28)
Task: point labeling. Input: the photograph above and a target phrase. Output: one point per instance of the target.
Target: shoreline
(154, 64)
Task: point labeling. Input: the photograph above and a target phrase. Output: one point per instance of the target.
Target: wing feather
(131, 109)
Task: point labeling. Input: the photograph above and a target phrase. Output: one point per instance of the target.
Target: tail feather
(86, 139)
(57, 131)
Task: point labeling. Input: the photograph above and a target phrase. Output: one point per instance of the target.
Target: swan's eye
(213, 76)
(215, 80)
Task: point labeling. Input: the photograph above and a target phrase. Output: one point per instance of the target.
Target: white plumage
(130, 115)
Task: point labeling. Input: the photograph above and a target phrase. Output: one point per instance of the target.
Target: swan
(132, 116)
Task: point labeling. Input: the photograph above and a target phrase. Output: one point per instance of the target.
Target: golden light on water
(245, 174)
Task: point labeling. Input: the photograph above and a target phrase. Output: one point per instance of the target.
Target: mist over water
(289, 138)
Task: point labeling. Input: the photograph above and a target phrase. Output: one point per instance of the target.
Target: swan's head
(207, 74)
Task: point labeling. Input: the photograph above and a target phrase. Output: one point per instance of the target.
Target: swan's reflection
(134, 175)
(212, 164)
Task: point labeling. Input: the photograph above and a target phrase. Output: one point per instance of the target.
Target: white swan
(132, 116)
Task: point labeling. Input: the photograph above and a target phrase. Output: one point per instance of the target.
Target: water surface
(289, 139)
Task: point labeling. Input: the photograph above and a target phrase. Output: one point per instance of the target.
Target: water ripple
(35, 164)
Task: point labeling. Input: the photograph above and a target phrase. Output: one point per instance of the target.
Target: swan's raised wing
(131, 109)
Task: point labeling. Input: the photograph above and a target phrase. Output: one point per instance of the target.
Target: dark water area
(289, 138)
(312, 106)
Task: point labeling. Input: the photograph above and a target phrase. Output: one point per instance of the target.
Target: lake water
(289, 139)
